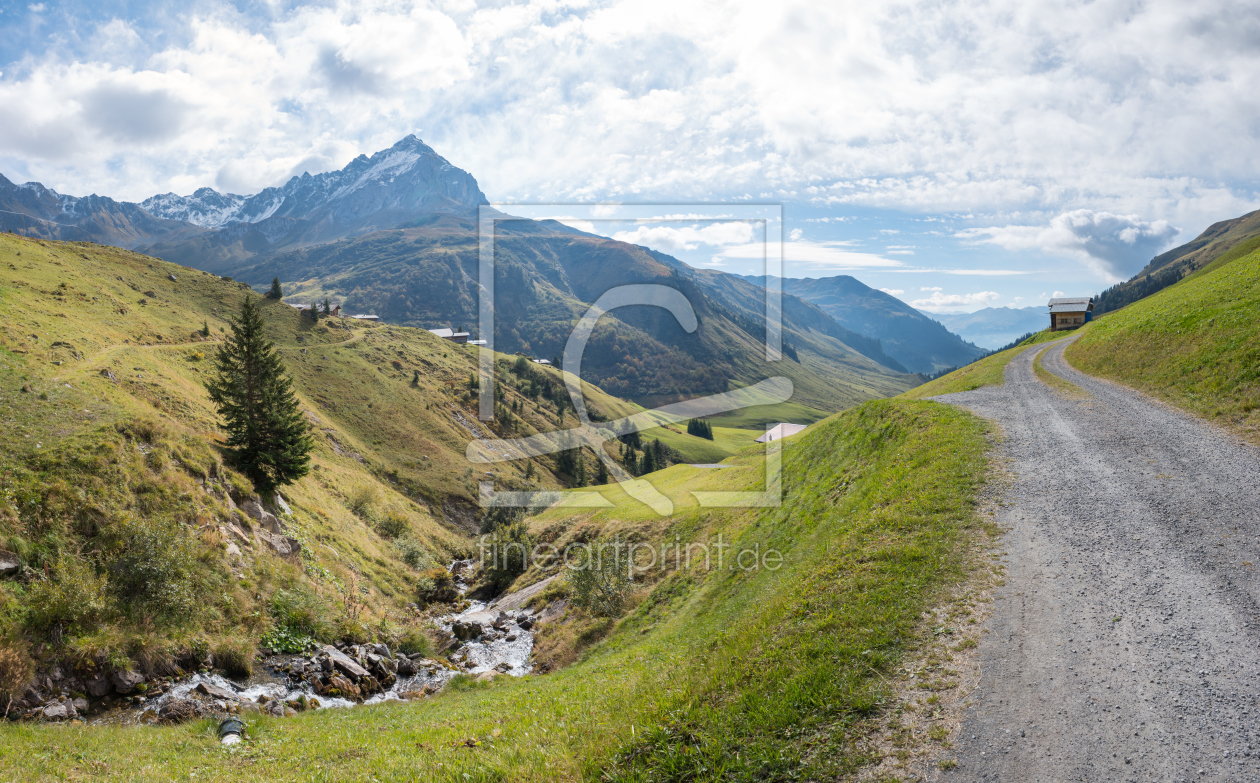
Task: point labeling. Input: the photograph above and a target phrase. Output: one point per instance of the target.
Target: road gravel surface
(1125, 643)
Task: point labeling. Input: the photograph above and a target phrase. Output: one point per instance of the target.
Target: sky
(955, 154)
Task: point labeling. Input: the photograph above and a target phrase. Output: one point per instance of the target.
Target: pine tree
(268, 438)
(648, 464)
(579, 472)
(601, 473)
(415, 379)
(275, 292)
(327, 307)
(205, 328)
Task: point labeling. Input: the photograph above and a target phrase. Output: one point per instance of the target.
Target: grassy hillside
(989, 371)
(743, 674)
(109, 433)
(1194, 344)
(1221, 243)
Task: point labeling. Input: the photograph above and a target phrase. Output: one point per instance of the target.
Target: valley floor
(1124, 644)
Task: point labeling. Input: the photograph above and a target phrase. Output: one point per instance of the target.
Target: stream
(486, 640)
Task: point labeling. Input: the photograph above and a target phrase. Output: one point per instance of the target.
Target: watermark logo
(595, 434)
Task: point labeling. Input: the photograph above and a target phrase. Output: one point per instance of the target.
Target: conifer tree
(205, 328)
(601, 472)
(276, 292)
(268, 438)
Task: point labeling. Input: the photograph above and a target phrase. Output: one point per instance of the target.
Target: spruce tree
(275, 292)
(268, 438)
(205, 328)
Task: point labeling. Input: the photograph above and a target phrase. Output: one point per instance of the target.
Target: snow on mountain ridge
(407, 175)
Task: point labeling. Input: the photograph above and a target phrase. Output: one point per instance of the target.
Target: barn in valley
(1070, 313)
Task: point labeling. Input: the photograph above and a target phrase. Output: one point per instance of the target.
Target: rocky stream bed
(484, 641)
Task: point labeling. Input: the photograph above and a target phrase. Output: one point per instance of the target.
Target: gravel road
(1125, 644)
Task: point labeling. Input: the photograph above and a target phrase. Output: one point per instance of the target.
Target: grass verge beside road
(1062, 386)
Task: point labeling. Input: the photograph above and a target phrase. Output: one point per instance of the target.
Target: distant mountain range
(915, 340)
(1221, 243)
(994, 327)
(396, 234)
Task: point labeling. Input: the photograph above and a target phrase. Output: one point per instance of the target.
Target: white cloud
(796, 234)
(893, 291)
(1057, 294)
(673, 239)
(939, 301)
(820, 255)
(1114, 246)
(948, 106)
(931, 288)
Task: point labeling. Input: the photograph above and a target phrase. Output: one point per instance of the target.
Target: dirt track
(1125, 645)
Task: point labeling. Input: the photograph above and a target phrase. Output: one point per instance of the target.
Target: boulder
(279, 504)
(233, 550)
(502, 621)
(80, 705)
(57, 711)
(466, 629)
(504, 667)
(266, 519)
(215, 692)
(487, 676)
(525, 623)
(235, 532)
(406, 667)
(107, 375)
(284, 546)
(126, 682)
(9, 564)
(172, 278)
(344, 663)
(33, 698)
(179, 711)
(99, 686)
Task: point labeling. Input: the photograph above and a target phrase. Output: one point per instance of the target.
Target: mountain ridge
(916, 341)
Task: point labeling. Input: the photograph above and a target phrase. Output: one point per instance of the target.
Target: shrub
(437, 586)
(196, 356)
(16, 670)
(302, 612)
(600, 580)
(501, 516)
(74, 600)
(283, 640)
(363, 498)
(151, 565)
(392, 525)
(507, 551)
(414, 554)
(414, 640)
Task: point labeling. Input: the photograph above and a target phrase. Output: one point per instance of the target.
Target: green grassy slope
(989, 371)
(106, 421)
(1194, 344)
(738, 674)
